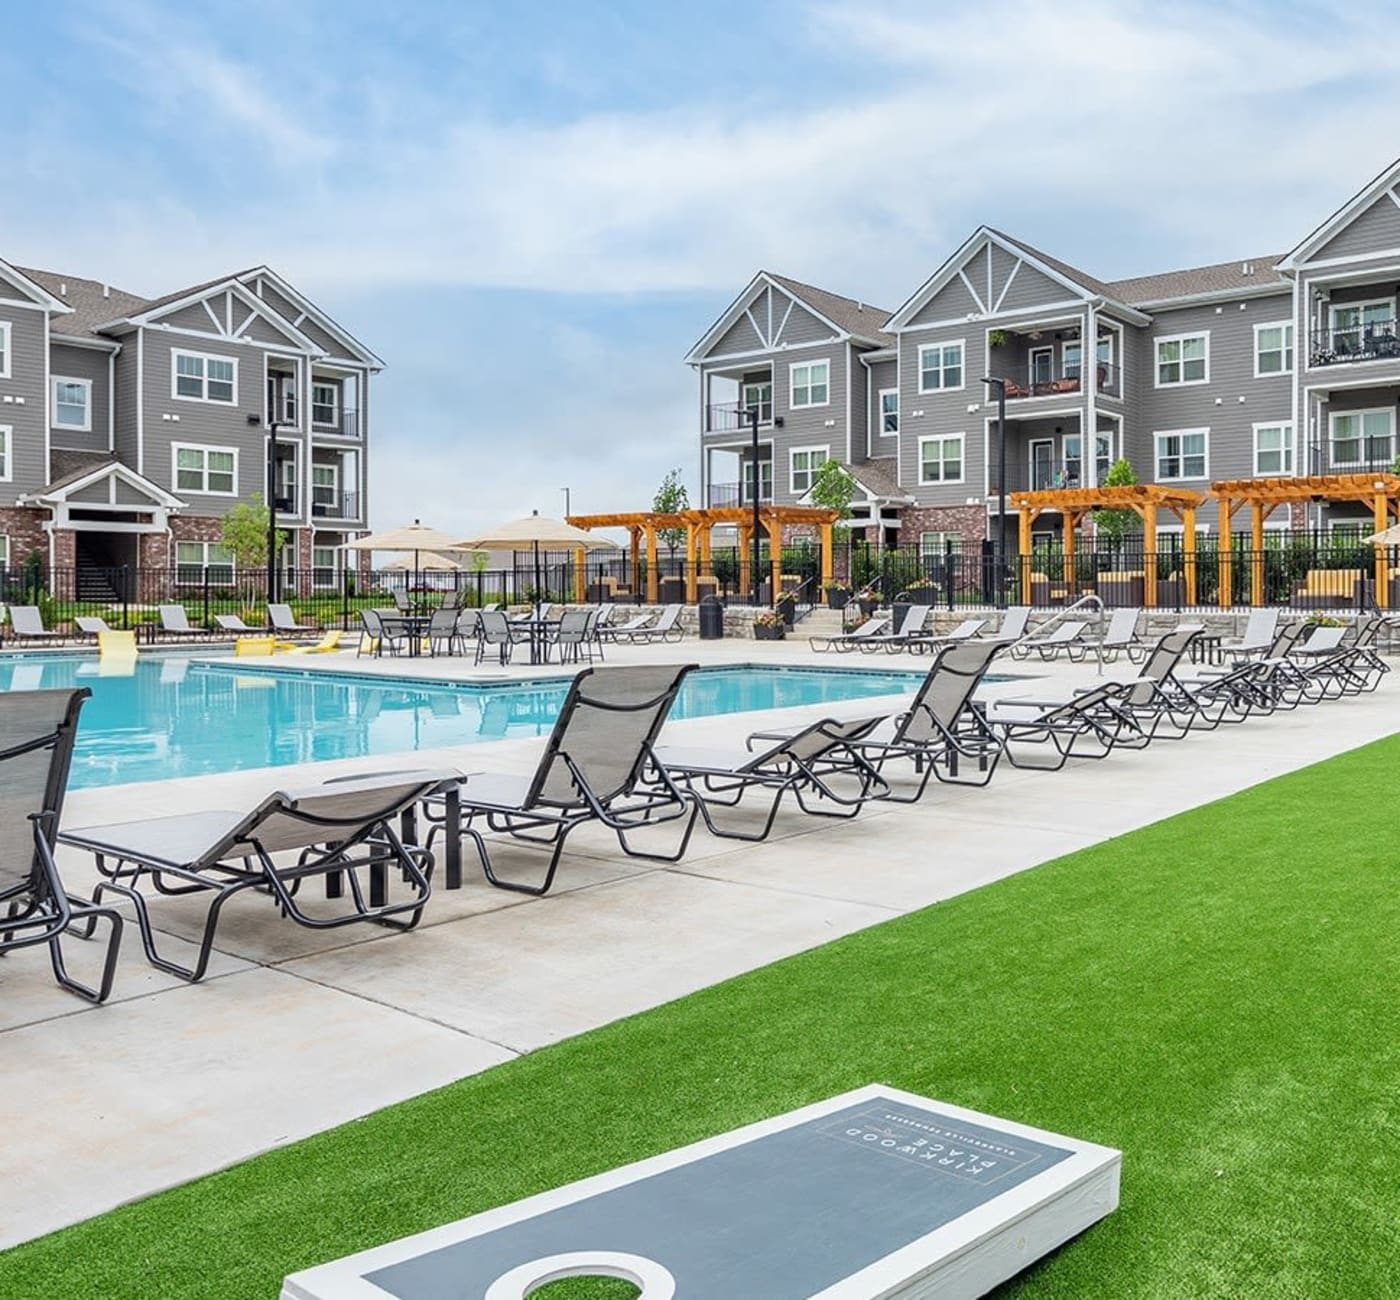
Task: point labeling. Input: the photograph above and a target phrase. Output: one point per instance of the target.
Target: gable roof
(1064, 270)
(357, 350)
(90, 302)
(84, 475)
(1221, 277)
(1342, 217)
(27, 284)
(879, 477)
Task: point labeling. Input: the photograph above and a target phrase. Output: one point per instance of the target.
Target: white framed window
(941, 367)
(1107, 349)
(325, 404)
(72, 403)
(889, 411)
(194, 561)
(765, 481)
(1273, 448)
(6, 465)
(1362, 437)
(203, 377)
(1355, 323)
(1273, 349)
(936, 543)
(4, 349)
(1072, 359)
(325, 566)
(758, 396)
(287, 475)
(803, 463)
(1183, 359)
(325, 488)
(1182, 453)
(809, 383)
(4, 551)
(211, 470)
(941, 458)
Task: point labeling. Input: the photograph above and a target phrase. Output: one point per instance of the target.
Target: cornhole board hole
(873, 1195)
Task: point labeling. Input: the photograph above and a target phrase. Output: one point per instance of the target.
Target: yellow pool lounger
(117, 645)
(326, 645)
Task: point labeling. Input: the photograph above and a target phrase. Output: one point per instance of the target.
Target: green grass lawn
(1215, 994)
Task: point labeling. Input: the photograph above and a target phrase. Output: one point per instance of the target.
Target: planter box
(762, 632)
(837, 599)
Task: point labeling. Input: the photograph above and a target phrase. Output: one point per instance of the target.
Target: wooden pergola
(1263, 495)
(1146, 500)
(645, 525)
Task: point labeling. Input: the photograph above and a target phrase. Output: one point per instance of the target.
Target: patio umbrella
(415, 538)
(1387, 536)
(428, 562)
(534, 530)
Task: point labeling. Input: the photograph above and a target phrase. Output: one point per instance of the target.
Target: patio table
(413, 627)
(539, 638)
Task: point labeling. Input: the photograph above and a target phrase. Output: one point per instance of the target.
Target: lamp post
(1000, 385)
(272, 426)
(567, 511)
(757, 515)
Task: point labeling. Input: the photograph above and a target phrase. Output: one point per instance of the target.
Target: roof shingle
(851, 314)
(1222, 277)
(93, 302)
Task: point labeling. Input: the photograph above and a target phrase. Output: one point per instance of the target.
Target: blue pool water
(167, 716)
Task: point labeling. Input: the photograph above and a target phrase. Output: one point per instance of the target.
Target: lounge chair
(255, 647)
(234, 623)
(1121, 637)
(1014, 623)
(344, 832)
(616, 632)
(28, 625)
(910, 626)
(328, 644)
(846, 641)
(116, 645)
(965, 631)
(175, 622)
(91, 625)
(1064, 729)
(280, 616)
(666, 628)
(1066, 638)
(594, 769)
(37, 731)
(819, 765)
(1259, 633)
(942, 730)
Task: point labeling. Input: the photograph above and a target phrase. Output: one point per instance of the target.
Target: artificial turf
(1215, 994)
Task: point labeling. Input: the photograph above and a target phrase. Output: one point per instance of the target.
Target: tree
(1115, 525)
(245, 533)
(833, 488)
(671, 498)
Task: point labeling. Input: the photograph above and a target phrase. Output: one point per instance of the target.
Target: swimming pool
(168, 716)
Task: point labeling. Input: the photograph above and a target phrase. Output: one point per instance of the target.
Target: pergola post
(580, 582)
(653, 585)
(705, 548)
(745, 560)
(1256, 559)
(1149, 559)
(1027, 516)
(1381, 517)
(1188, 554)
(775, 557)
(1071, 525)
(690, 587)
(1225, 552)
(634, 549)
(824, 533)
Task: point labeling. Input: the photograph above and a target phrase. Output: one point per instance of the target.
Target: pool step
(820, 622)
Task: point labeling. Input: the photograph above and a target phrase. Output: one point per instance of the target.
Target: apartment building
(1271, 365)
(129, 426)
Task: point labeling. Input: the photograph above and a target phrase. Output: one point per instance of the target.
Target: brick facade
(25, 529)
(969, 521)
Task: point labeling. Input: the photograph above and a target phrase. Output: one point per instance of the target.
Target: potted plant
(997, 338)
(867, 601)
(837, 594)
(768, 625)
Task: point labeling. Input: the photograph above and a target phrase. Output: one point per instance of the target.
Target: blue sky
(532, 210)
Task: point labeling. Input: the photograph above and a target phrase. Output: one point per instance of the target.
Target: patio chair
(1121, 637)
(401, 601)
(572, 636)
(594, 769)
(174, 622)
(442, 635)
(376, 635)
(37, 731)
(615, 632)
(1066, 638)
(820, 765)
(451, 599)
(280, 617)
(234, 623)
(846, 641)
(910, 626)
(965, 631)
(1259, 633)
(495, 631)
(91, 625)
(1014, 623)
(28, 625)
(342, 832)
(666, 628)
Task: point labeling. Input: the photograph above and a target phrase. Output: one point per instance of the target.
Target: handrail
(1089, 601)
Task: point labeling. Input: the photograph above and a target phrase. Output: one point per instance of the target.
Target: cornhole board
(873, 1195)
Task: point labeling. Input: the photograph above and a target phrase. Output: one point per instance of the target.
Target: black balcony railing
(1341, 344)
(733, 417)
(1351, 456)
(1056, 382)
(721, 495)
(328, 420)
(335, 505)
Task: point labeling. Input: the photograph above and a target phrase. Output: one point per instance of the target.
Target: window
(325, 403)
(758, 396)
(1273, 448)
(1273, 349)
(324, 563)
(1074, 460)
(1184, 359)
(4, 551)
(1181, 454)
(1041, 367)
(196, 561)
(1103, 455)
(325, 489)
(4, 349)
(1073, 357)
(938, 543)
(282, 396)
(72, 404)
(200, 378)
(811, 384)
(1105, 351)
(765, 481)
(1363, 437)
(889, 410)
(5, 467)
(803, 463)
(287, 477)
(206, 469)
(941, 459)
(1355, 324)
(940, 367)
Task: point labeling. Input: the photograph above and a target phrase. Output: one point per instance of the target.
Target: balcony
(727, 495)
(335, 505)
(1375, 340)
(1351, 456)
(343, 424)
(736, 417)
(1050, 382)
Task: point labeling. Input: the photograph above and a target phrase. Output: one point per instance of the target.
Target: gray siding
(22, 403)
(83, 363)
(1375, 229)
(807, 426)
(194, 317)
(264, 331)
(126, 399)
(739, 337)
(1032, 289)
(860, 407)
(801, 326)
(951, 302)
(883, 374)
(321, 338)
(942, 413)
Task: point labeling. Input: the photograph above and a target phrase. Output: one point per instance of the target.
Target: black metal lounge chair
(91, 625)
(819, 764)
(967, 630)
(592, 770)
(343, 832)
(1258, 638)
(175, 622)
(27, 624)
(666, 628)
(1091, 725)
(844, 641)
(234, 623)
(1121, 637)
(1067, 638)
(37, 731)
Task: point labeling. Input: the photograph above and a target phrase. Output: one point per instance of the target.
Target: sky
(532, 211)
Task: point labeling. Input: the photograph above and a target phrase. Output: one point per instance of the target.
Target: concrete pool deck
(170, 1081)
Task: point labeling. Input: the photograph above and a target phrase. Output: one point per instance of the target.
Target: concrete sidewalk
(171, 1081)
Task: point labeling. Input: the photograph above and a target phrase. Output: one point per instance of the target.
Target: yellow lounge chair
(259, 646)
(117, 645)
(326, 645)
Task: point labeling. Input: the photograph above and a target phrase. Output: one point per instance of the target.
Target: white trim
(1359, 202)
(44, 300)
(1273, 289)
(205, 357)
(7, 453)
(362, 356)
(48, 414)
(1049, 310)
(336, 403)
(206, 490)
(1031, 445)
(850, 369)
(731, 314)
(1290, 345)
(7, 335)
(1040, 349)
(1286, 449)
(140, 401)
(825, 451)
(91, 344)
(113, 470)
(1159, 477)
(795, 365)
(86, 386)
(961, 345)
(1334, 416)
(976, 297)
(782, 324)
(112, 400)
(962, 460)
(880, 413)
(1158, 340)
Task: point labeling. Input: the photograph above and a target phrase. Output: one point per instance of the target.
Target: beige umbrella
(533, 531)
(1387, 536)
(414, 538)
(428, 562)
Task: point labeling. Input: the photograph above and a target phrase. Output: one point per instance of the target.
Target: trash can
(711, 614)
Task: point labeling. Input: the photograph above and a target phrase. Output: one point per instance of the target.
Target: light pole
(272, 427)
(1001, 487)
(567, 511)
(757, 516)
